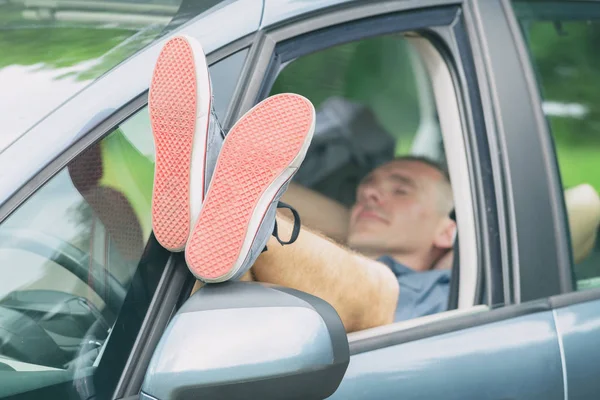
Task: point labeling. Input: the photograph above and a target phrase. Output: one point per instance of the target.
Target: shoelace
(295, 230)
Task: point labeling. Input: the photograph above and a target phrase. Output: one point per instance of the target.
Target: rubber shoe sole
(179, 104)
(259, 157)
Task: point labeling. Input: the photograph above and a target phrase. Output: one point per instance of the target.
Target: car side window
(68, 257)
(73, 252)
(562, 41)
(374, 101)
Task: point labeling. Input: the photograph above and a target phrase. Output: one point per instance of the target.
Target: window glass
(73, 252)
(374, 101)
(68, 258)
(562, 38)
(374, 93)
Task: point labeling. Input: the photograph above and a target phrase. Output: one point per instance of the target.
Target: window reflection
(51, 50)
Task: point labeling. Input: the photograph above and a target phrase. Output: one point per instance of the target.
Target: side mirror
(249, 340)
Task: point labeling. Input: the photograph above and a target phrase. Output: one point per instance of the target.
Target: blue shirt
(421, 293)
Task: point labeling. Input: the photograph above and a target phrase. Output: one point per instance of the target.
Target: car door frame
(575, 312)
(492, 143)
(286, 40)
(508, 246)
(532, 198)
(504, 175)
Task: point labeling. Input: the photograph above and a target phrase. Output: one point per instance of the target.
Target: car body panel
(533, 209)
(517, 358)
(579, 328)
(59, 130)
(277, 11)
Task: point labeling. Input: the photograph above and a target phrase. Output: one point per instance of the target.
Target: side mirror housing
(249, 340)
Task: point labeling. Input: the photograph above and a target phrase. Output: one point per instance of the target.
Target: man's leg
(364, 292)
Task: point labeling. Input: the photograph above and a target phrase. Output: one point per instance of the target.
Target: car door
(86, 290)
(558, 41)
(502, 343)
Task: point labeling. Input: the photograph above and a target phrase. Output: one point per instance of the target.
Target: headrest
(583, 211)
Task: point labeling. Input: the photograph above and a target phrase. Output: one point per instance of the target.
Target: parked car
(503, 93)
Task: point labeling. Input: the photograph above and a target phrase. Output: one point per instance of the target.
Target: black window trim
(494, 283)
(336, 15)
(161, 309)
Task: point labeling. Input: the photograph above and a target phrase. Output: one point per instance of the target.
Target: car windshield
(51, 49)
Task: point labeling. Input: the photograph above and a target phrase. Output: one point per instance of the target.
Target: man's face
(399, 209)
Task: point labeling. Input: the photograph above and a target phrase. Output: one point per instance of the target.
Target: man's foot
(260, 155)
(187, 139)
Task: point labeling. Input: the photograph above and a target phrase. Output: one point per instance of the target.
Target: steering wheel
(74, 260)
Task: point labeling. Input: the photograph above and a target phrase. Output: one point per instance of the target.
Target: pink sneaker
(259, 157)
(187, 137)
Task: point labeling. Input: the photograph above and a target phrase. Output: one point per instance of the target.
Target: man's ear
(445, 235)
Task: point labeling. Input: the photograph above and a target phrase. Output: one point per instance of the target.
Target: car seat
(115, 179)
(583, 211)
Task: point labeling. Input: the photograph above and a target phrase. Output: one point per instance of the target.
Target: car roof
(277, 11)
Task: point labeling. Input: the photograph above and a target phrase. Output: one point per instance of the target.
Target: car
(502, 92)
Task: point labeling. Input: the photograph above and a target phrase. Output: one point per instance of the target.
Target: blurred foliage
(563, 42)
(377, 72)
(53, 44)
(57, 48)
(567, 65)
(52, 49)
(374, 72)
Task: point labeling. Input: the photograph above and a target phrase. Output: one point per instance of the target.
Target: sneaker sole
(179, 104)
(259, 155)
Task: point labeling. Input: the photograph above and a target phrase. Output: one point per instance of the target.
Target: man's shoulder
(421, 293)
(401, 270)
(398, 268)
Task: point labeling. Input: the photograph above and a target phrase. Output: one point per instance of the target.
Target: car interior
(396, 103)
(375, 99)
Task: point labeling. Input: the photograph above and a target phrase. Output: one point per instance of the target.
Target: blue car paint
(579, 328)
(513, 359)
(203, 362)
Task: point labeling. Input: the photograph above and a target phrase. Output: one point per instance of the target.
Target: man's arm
(319, 212)
(363, 292)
